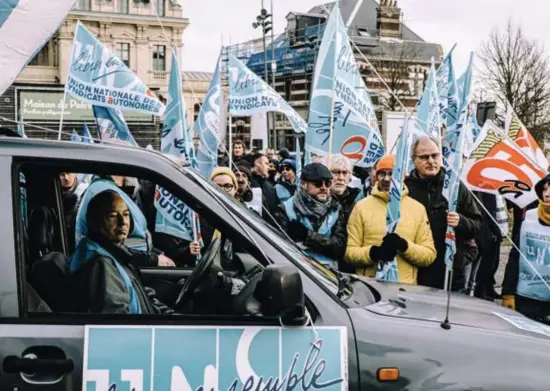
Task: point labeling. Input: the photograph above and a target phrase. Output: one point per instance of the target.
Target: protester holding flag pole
(370, 246)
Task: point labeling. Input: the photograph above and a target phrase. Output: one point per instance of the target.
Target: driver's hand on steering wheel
(195, 248)
(164, 261)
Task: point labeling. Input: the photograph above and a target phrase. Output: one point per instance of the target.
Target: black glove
(297, 231)
(395, 241)
(382, 254)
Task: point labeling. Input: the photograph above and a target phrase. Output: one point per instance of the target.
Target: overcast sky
(465, 22)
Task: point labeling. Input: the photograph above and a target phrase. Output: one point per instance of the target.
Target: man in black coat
(259, 180)
(425, 185)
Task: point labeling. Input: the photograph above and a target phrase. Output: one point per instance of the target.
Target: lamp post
(264, 21)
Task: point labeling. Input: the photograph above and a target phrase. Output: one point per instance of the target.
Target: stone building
(129, 28)
(378, 37)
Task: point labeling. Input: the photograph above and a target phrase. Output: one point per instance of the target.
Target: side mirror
(281, 294)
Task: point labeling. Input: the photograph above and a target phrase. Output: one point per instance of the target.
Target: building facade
(389, 55)
(129, 28)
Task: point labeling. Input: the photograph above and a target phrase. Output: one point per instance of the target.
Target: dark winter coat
(429, 192)
(332, 247)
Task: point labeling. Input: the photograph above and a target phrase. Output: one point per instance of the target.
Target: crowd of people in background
(337, 214)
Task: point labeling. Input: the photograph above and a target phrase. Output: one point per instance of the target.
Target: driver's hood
(422, 303)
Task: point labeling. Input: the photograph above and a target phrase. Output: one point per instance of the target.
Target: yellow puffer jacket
(367, 228)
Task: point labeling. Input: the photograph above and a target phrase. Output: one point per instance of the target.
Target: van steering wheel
(200, 271)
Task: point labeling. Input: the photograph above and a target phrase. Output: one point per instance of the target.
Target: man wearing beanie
(368, 243)
(527, 277)
(286, 185)
(425, 184)
(313, 218)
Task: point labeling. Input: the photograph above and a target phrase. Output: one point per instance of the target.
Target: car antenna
(446, 324)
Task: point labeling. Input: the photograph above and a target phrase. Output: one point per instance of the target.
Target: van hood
(429, 304)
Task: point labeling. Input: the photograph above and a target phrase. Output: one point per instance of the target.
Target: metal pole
(266, 76)
(273, 67)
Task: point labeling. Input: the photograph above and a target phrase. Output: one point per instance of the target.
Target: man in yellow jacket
(368, 244)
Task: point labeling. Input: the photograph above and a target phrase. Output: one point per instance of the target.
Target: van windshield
(326, 276)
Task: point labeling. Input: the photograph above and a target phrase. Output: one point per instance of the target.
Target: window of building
(123, 52)
(123, 6)
(42, 58)
(83, 5)
(160, 7)
(159, 58)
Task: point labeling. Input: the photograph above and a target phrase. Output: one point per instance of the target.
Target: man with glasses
(347, 196)
(425, 184)
(286, 185)
(313, 218)
(369, 244)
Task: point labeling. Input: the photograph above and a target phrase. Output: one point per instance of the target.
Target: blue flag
(87, 136)
(173, 216)
(112, 126)
(75, 137)
(428, 120)
(388, 271)
(249, 95)
(342, 119)
(448, 100)
(25, 27)
(455, 142)
(98, 77)
(207, 126)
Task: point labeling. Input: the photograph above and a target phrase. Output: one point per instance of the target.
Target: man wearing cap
(286, 185)
(314, 218)
(425, 184)
(368, 243)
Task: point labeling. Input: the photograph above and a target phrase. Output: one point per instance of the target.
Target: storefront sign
(44, 105)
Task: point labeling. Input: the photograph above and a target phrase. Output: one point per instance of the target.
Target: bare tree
(516, 69)
(394, 62)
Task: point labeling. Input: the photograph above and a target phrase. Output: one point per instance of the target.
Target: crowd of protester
(337, 214)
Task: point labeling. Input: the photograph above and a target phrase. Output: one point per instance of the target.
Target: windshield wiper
(343, 281)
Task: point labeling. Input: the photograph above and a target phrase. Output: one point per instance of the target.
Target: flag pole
(62, 113)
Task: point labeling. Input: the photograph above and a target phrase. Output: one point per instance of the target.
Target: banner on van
(215, 358)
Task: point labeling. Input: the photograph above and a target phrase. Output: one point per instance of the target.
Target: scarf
(544, 212)
(309, 206)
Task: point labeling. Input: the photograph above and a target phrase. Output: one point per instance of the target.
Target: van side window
(112, 244)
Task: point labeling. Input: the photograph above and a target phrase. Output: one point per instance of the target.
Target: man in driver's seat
(102, 267)
(104, 275)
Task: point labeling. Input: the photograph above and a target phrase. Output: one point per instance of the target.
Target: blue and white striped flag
(25, 27)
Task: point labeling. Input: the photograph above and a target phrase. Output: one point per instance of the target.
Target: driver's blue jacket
(106, 277)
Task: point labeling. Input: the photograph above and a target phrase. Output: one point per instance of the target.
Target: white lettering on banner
(349, 96)
(112, 96)
(237, 104)
(172, 208)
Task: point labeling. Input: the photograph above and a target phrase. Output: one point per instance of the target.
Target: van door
(32, 356)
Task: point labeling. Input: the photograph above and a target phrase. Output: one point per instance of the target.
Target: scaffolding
(290, 65)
